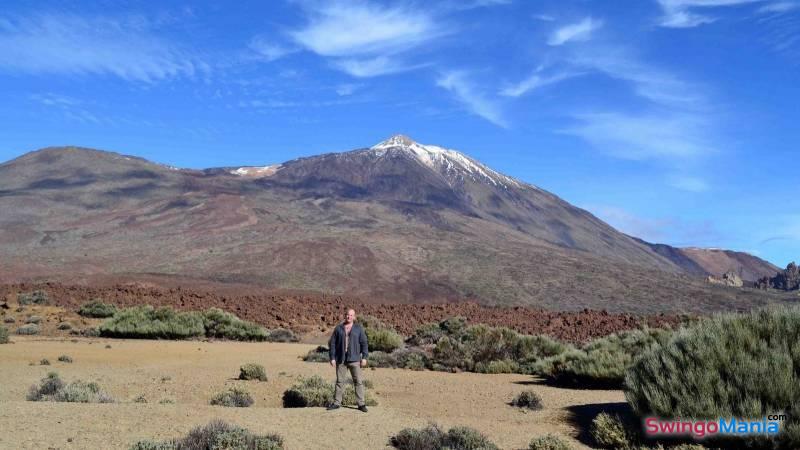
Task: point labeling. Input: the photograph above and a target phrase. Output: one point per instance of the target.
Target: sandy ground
(190, 372)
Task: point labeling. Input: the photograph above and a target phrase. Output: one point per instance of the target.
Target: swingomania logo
(769, 425)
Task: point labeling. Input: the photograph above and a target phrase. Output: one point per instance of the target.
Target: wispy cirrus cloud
(269, 50)
(535, 81)
(73, 45)
(469, 95)
(682, 13)
(580, 31)
(365, 39)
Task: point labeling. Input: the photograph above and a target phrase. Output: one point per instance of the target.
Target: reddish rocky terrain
(312, 314)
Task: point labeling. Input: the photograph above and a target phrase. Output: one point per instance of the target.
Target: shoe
(333, 406)
(363, 408)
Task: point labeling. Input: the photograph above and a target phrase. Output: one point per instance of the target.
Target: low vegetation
(609, 431)
(252, 371)
(233, 397)
(315, 391)
(28, 330)
(602, 362)
(34, 319)
(527, 400)
(64, 326)
(3, 335)
(381, 337)
(9, 319)
(549, 442)
(52, 389)
(736, 365)
(217, 435)
(65, 359)
(97, 309)
(33, 298)
(434, 438)
(146, 322)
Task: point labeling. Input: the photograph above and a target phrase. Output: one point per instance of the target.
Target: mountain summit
(398, 221)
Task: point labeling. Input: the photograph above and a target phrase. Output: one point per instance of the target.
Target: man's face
(350, 317)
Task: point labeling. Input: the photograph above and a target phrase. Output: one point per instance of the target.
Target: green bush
(233, 397)
(433, 438)
(427, 334)
(65, 359)
(602, 362)
(64, 326)
(281, 335)
(34, 319)
(221, 324)
(528, 400)
(382, 359)
(549, 442)
(609, 432)
(33, 298)
(319, 354)
(52, 389)
(381, 337)
(410, 359)
(502, 366)
(314, 391)
(29, 329)
(44, 362)
(252, 371)
(9, 319)
(451, 353)
(217, 435)
(97, 309)
(3, 335)
(146, 322)
(742, 366)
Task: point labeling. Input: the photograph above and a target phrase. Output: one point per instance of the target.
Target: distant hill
(399, 221)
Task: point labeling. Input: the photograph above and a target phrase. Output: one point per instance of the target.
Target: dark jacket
(358, 344)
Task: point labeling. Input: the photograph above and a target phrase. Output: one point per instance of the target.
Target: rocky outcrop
(729, 278)
(785, 280)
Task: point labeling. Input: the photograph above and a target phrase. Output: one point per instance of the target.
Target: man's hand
(333, 363)
(363, 363)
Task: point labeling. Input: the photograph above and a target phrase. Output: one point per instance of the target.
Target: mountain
(399, 221)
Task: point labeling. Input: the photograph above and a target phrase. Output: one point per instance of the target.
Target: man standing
(348, 351)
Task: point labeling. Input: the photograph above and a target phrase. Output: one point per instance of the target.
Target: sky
(673, 120)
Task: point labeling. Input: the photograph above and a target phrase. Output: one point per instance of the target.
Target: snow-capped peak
(448, 162)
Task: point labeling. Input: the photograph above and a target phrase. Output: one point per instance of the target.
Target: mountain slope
(399, 221)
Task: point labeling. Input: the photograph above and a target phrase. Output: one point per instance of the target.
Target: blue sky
(673, 120)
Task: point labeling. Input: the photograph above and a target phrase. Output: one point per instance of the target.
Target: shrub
(52, 389)
(33, 298)
(29, 329)
(221, 324)
(140, 399)
(282, 335)
(3, 335)
(252, 371)
(502, 366)
(65, 359)
(609, 431)
(166, 401)
(44, 362)
(97, 309)
(527, 399)
(385, 340)
(64, 326)
(319, 354)
(549, 442)
(427, 334)
(433, 438)
(217, 435)
(9, 319)
(381, 337)
(314, 391)
(602, 362)
(233, 397)
(145, 322)
(381, 359)
(410, 359)
(451, 353)
(33, 319)
(729, 366)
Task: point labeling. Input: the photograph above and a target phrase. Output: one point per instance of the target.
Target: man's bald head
(350, 316)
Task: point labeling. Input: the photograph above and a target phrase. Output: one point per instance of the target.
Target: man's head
(350, 316)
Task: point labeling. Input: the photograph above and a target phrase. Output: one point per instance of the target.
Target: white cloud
(544, 17)
(535, 81)
(72, 45)
(689, 183)
(779, 7)
(355, 28)
(580, 31)
(466, 93)
(372, 67)
(346, 89)
(678, 13)
(660, 136)
(268, 50)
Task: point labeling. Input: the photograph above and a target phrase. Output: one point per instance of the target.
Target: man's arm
(331, 346)
(362, 338)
